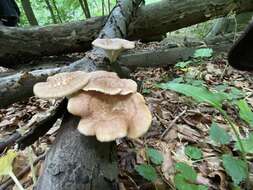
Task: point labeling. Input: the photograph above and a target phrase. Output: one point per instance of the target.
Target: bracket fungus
(110, 117)
(62, 84)
(113, 47)
(110, 83)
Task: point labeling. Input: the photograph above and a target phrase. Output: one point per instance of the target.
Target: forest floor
(182, 131)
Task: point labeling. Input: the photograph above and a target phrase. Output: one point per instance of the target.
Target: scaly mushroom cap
(60, 85)
(110, 117)
(110, 83)
(113, 47)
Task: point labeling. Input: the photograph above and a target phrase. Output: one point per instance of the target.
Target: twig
(38, 130)
(172, 123)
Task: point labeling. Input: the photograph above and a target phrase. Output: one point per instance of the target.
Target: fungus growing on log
(60, 85)
(110, 117)
(110, 83)
(109, 107)
(113, 47)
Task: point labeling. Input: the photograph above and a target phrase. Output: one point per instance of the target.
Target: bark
(103, 7)
(109, 5)
(19, 86)
(29, 12)
(151, 20)
(51, 11)
(79, 162)
(57, 11)
(87, 8)
(165, 16)
(230, 24)
(83, 8)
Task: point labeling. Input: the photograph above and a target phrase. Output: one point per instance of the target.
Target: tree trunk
(29, 12)
(83, 8)
(57, 11)
(230, 24)
(103, 7)
(86, 5)
(109, 5)
(152, 20)
(51, 11)
(76, 162)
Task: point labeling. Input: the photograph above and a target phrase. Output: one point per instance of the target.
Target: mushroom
(110, 117)
(113, 47)
(110, 83)
(62, 84)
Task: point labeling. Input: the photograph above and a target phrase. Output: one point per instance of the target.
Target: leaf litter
(178, 122)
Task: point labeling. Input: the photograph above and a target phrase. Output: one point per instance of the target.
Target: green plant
(245, 112)
(147, 171)
(193, 152)
(186, 177)
(201, 94)
(6, 167)
(219, 135)
(203, 52)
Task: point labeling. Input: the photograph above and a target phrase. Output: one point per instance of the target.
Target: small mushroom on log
(113, 47)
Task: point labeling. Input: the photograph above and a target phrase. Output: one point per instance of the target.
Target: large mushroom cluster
(109, 107)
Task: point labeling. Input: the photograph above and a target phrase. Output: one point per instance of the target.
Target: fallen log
(77, 162)
(19, 86)
(21, 44)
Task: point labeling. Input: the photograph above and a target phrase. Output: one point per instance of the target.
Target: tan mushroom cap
(113, 47)
(113, 44)
(110, 117)
(110, 83)
(60, 85)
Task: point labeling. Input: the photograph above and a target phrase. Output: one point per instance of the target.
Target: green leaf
(182, 184)
(147, 171)
(235, 93)
(245, 112)
(203, 52)
(146, 91)
(6, 162)
(185, 179)
(247, 144)
(236, 168)
(219, 135)
(193, 152)
(200, 94)
(183, 64)
(155, 156)
(187, 171)
(221, 87)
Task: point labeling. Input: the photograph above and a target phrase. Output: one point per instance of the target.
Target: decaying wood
(19, 86)
(151, 20)
(75, 161)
